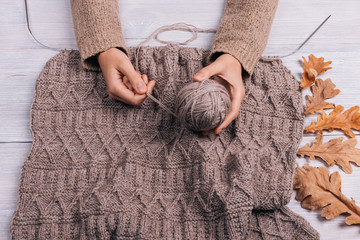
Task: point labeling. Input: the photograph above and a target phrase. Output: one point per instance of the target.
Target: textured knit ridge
(101, 169)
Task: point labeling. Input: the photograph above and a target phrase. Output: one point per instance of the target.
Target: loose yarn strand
(180, 26)
(161, 104)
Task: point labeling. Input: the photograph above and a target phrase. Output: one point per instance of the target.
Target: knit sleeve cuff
(88, 56)
(243, 32)
(97, 28)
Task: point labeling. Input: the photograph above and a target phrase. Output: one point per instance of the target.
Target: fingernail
(199, 74)
(141, 87)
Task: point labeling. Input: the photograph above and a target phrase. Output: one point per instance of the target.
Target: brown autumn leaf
(306, 82)
(316, 190)
(335, 151)
(346, 121)
(312, 69)
(321, 90)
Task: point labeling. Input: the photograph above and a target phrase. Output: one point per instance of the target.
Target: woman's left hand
(226, 70)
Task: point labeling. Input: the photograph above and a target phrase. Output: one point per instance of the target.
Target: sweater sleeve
(97, 28)
(243, 31)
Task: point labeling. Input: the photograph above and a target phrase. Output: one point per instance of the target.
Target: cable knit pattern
(243, 30)
(101, 169)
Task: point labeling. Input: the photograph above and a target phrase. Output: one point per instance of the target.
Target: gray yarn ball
(202, 106)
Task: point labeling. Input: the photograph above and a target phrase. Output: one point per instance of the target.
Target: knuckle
(134, 84)
(111, 95)
(111, 92)
(137, 102)
(242, 91)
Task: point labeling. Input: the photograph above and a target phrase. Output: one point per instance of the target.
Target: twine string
(180, 26)
(161, 105)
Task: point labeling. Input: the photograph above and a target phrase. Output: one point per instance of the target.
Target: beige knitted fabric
(242, 32)
(101, 169)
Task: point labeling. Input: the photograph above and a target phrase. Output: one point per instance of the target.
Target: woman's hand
(227, 70)
(122, 81)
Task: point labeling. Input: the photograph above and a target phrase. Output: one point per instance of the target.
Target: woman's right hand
(122, 81)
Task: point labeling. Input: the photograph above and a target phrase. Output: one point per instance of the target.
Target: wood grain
(22, 60)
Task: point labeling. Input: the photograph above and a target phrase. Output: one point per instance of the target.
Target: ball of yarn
(202, 106)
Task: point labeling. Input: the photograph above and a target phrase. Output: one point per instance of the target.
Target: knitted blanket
(101, 169)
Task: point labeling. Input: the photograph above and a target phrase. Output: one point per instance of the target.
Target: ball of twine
(202, 106)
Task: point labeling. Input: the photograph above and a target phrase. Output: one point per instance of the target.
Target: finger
(120, 99)
(228, 119)
(120, 91)
(233, 113)
(137, 83)
(139, 98)
(116, 87)
(134, 77)
(127, 83)
(151, 86)
(205, 133)
(145, 78)
(208, 71)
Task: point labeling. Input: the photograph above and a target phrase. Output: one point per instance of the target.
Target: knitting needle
(28, 27)
(308, 38)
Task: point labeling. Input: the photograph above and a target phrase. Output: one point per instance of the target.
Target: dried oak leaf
(316, 190)
(312, 69)
(333, 152)
(350, 119)
(321, 90)
(306, 81)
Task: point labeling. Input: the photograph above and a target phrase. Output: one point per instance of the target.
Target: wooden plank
(54, 27)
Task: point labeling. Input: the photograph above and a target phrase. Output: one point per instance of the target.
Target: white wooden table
(22, 59)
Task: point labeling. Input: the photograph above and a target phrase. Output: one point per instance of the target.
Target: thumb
(208, 71)
(134, 78)
(137, 83)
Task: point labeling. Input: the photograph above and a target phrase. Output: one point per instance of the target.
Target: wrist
(233, 59)
(104, 52)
